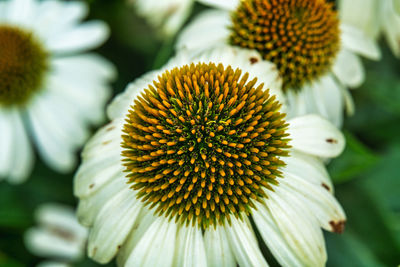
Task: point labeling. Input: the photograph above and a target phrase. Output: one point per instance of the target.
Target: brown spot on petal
(326, 186)
(253, 60)
(91, 186)
(338, 227)
(106, 142)
(332, 141)
(110, 128)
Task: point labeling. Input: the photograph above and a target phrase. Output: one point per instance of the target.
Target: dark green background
(366, 176)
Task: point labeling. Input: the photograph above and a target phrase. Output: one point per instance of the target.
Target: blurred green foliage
(367, 175)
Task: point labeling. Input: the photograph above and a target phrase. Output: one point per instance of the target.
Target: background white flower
(167, 15)
(289, 221)
(326, 95)
(67, 93)
(58, 235)
(374, 18)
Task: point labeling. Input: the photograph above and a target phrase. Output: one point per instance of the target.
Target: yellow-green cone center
(23, 63)
(300, 36)
(202, 144)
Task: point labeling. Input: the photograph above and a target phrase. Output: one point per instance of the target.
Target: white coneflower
(167, 15)
(174, 179)
(316, 59)
(374, 17)
(50, 90)
(58, 235)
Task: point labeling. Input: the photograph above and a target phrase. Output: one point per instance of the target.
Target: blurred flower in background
(58, 236)
(204, 148)
(51, 90)
(374, 18)
(166, 16)
(317, 55)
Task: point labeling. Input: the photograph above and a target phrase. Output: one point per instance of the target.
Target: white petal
(217, 248)
(190, 250)
(208, 29)
(349, 69)
(356, 41)
(160, 237)
(348, 101)
(319, 201)
(89, 207)
(329, 99)
(90, 66)
(53, 216)
(310, 167)
(86, 36)
(49, 138)
(21, 11)
(112, 225)
(243, 244)
(16, 156)
(391, 27)
(223, 4)
(46, 244)
(138, 230)
(53, 17)
(273, 238)
(316, 136)
(7, 137)
(121, 103)
(297, 226)
(88, 94)
(24, 156)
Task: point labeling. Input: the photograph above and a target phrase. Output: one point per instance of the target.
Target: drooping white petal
(91, 66)
(138, 230)
(160, 237)
(217, 247)
(49, 137)
(89, 207)
(348, 68)
(321, 203)
(362, 14)
(314, 135)
(391, 27)
(243, 244)
(190, 251)
(112, 225)
(54, 16)
(84, 37)
(298, 227)
(329, 99)
(273, 237)
(44, 243)
(7, 137)
(209, 29)
(102, 161)
(121, 103)
(311, 168)
(358, 42)
(55, 215)
(23, 162)
(16, 156)
(87, 94)
(223, 4)
(21, 11)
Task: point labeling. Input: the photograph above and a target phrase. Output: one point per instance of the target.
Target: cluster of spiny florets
(22, 63)
(300, 37)
(204, 143)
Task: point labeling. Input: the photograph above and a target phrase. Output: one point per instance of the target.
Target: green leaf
(356, 159)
